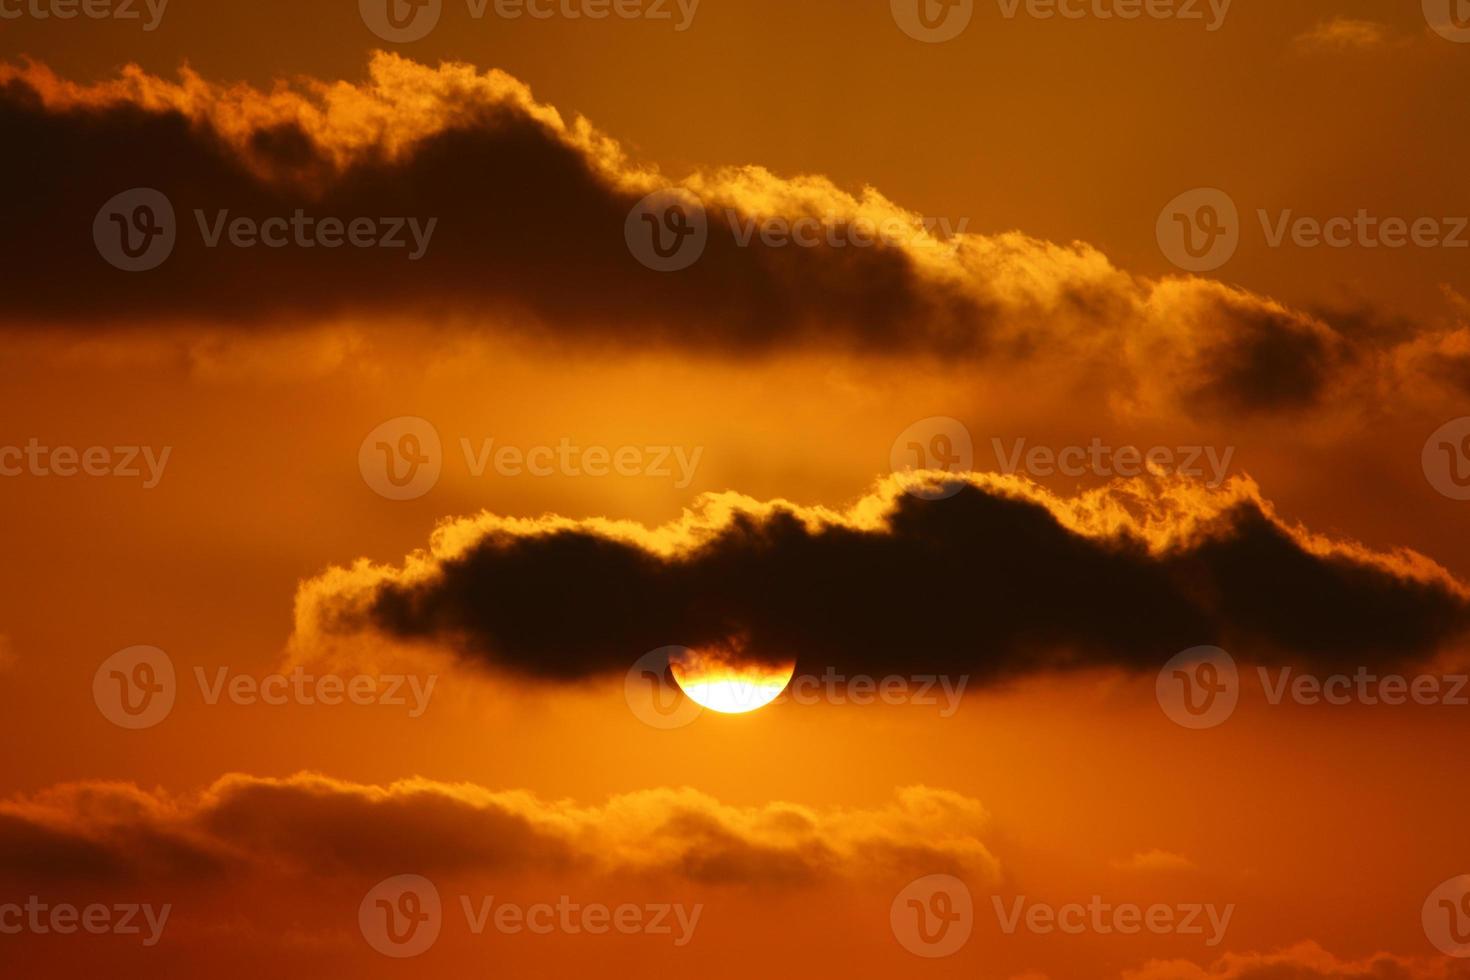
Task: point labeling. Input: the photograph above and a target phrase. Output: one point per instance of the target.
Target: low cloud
(1345, 34)
(1305, 961)
(314, 825)
(1002, 579)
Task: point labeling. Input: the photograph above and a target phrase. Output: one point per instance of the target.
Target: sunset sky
(1037, 431)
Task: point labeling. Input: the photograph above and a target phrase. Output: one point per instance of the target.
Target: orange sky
(788, 381)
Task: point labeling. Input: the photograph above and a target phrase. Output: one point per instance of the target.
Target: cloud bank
(1000, 580)
(314, 825)
(530, 209)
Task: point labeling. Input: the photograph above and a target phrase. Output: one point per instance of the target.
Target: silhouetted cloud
(315, 825)
(529, 211)
(1000, 579)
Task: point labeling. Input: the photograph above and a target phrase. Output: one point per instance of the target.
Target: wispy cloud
(1345, 34)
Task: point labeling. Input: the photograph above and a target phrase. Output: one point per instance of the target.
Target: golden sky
(379, 414)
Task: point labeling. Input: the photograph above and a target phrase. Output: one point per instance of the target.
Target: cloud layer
(1001, 579)
(315, 825)
(1304, 961)
(529, 238)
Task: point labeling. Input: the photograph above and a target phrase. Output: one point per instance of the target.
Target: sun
(724, 683)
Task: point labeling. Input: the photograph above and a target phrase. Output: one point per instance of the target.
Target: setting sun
(726, 684)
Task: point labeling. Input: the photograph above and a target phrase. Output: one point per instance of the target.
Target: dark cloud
(321, 827)
(139, 848)
(334, 828)
(529, 229)
(990, 582)
(529, 237)
(1267, 361)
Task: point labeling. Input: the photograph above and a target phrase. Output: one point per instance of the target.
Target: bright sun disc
(721, 684)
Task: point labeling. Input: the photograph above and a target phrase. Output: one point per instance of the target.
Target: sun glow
(722, 683)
